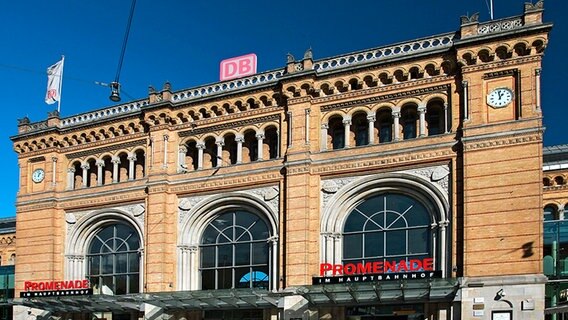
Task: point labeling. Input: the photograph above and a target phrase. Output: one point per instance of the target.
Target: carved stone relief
(437, 175)
(136, 211)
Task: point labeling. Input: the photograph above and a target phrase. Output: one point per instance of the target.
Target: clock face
(38, 175)
(500, 97)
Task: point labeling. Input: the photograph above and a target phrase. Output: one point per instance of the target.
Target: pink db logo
(238, 67)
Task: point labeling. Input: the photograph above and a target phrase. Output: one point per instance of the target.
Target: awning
(410, 291)
(377, 292)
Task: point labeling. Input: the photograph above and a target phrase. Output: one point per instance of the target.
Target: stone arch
(81, 234)
(195, 221)
(346, 198)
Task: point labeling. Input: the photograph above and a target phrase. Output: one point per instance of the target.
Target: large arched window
(387, 227)
(234, 252)
(114, 260)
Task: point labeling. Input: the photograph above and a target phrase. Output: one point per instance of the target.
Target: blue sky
(183, 42)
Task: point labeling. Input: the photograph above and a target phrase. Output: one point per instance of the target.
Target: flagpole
(491, 8)
(60, 84)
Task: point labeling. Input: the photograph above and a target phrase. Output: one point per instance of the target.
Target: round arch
(339, 207)
(198, 218)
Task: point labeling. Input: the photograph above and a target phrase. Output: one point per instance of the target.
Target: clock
(38, 175)
(500, 97)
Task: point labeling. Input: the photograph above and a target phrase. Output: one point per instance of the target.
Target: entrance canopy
(317, 295)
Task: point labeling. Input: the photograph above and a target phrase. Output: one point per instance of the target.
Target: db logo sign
(238, 67)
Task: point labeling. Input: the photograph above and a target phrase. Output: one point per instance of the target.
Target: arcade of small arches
(556, 181)
(212, 151)
(555, 211)
(503, 51)
(385, 124)
(108, 169)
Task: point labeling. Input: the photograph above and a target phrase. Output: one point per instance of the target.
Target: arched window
(409, 119)
(387, 227)
(234, 252)
(114, 260)
(435, 118)
(384, 121)
(360, 128)
(550, 213)
(337, 132)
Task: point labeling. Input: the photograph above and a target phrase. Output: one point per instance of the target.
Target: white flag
(54, 74)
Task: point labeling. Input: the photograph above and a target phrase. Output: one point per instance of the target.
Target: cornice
(491, 141)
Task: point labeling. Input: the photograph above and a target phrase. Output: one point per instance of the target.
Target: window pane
(207, 257)
(419, 241)
(94, 265)
(374, 244)
(95, 246)
(243, 276)
(356, 221)
(134, 284)
(133, 262)
(260, 277)
(121, 262)
(208, 279)
(225, 278)
(396, 242)
(352, 246)
(107, 264)
(120, 284)
(259, 253)
(108, 286)
(225, 256)
(242, 254)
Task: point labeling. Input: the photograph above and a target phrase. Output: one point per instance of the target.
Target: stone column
(131, 162)
(323, 142)
(307, 126)
(371, 118)
(537, 73)
(422, 119)
(239, 139)
(70, 178)
(396, 118)
(347, 131)
(182, 151)
(85, 168)
(165, 164)
(200, 147)
(220, 143)
(446, 119)
(337, 237)
(273, 249)
(115, 162)
(259, 141)
(54, 171)
(561, 212)
(289, 113)
(465, 100)
(100, 164)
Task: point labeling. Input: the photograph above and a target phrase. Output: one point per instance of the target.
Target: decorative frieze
(136, 211)
(108, 148)
(230, 125)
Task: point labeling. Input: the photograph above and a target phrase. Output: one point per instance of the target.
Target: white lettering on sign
(238, 67)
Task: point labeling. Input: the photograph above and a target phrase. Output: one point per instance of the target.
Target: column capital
(396, 114)
(260, 136)
(71, 170)
(464, 83)
(166, 137)
(99, 163)
(325, 126)
(200, 146)
(239, 138)
(537, 71)
(421, 108)
(347, 121)
(85, 166)
(182, 149)
(220, 143)
(54, 159)
(445, 105)
(371, 117)
(272, 239)
(115, 160)
(132, 157)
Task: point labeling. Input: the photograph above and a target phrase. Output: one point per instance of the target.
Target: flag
(54, 74)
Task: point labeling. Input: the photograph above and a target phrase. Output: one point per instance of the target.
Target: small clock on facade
(38, 175)
(500, 97)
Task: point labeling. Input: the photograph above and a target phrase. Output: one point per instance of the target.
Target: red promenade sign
(56, 288)
(377, 271)
(238, 67)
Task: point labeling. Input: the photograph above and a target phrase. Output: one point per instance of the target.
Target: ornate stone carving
(136, 211)
(70, 218)
(185, 204)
